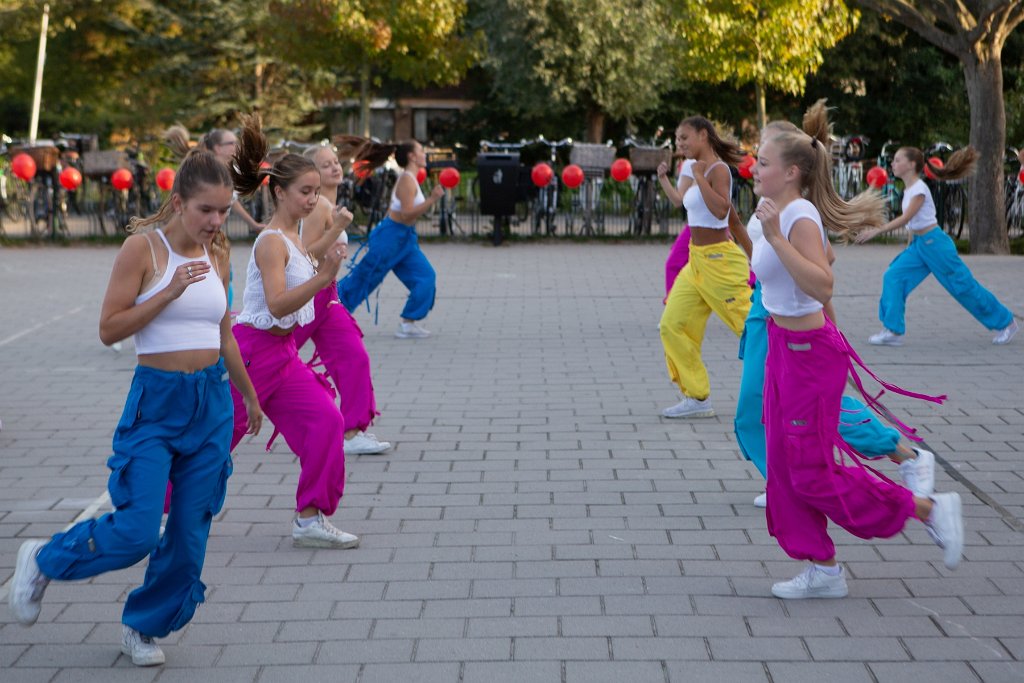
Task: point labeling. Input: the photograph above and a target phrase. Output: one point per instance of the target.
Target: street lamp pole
(40, 63)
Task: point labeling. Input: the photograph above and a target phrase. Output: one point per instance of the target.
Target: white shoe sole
(26, 558)
(155, 660)
(710, 412)
(368, 451)
(953, 548)
(303, 542)
(830, 593)
(898, 342)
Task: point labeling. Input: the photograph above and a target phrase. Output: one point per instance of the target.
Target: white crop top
(396, 203)
(754, 228)
(697, 212)
(192, 321)
(297, 269)
(779, 292)
(685, 171)
(925, 218)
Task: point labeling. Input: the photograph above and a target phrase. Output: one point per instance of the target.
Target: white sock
(831, 571)
(305, 522)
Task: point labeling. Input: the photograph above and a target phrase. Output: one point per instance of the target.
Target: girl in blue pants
(393, 245)
(167, 289)
(931, 252)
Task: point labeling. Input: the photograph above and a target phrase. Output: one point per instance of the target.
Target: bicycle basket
(99, 164)
(592, 157)
(646, 159)
(45, 156)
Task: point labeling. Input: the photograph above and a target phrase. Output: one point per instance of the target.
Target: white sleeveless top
(192, 321)
(925, 219)
(298, 269)
(396, 203)
(779, 292)
(697, 212)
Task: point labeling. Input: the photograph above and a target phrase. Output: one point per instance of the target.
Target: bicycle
(742, 195)
(13, 190)
(439, 158)
(847, 170)
(648, 204)
(891, 192)
(950, 195)
(595, 160)
(545, 207)
(1014, 192)
(46, 199)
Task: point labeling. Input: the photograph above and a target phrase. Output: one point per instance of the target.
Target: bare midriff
(192, 360)
(703, 237)
(800, 323)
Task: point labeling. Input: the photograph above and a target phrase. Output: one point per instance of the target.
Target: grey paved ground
(537, 520)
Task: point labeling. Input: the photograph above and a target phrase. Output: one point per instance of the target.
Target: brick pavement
(537, 520)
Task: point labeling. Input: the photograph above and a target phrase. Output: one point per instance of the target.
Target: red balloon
(421, 175)
(70, 178)
(877, 177)
(745, 166)
(266, 179)
(572, 176)
(165, 179)
(122, 179)
(621, 169)
(23, 166)
(934, 161)
(541, 174)
(1020, 176)
(361, 168)
(449, 177)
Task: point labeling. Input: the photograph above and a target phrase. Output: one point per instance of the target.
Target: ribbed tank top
(697, 212)
(192, 321)
(297, 269)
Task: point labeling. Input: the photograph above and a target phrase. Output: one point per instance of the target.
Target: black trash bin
(498, 174)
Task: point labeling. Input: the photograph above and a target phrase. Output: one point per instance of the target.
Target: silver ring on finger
(189, 269)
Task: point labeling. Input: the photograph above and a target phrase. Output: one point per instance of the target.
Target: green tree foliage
(770, 43)
(420, 42)
(595, 57)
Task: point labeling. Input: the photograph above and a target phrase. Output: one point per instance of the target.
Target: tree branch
(908, 15)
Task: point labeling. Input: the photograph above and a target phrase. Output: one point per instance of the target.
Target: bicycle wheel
(59, 215)
(743, 198)
(38, 216)
(954, 209)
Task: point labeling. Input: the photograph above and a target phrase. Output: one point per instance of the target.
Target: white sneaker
(411, 331)
(919, 473)
(690, 407)
(761, 501)
(1006, 334)
(946, 527)
(365, 444)
(886, 338)
(812, 583)
(142, 649)
(28, 584)
(322, 534)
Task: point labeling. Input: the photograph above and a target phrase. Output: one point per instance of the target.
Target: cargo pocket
(117, 484)
(220, 492)
(195, 596)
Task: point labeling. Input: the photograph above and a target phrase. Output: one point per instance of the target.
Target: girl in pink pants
(338, 339)
(807, 365)
(281, 281)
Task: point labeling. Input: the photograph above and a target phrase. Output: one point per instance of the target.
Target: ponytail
(375, 154)
(813, 160)
(178, 141)
(252, 149)
(960, 165)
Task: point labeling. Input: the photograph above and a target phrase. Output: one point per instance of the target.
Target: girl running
(931, 252)
(393, 245)
(338, 339)
(281, 282)
(168, 291)
(715, 278)
(857, 425)
(807, 365)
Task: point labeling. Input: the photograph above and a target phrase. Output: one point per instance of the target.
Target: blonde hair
(808, 150)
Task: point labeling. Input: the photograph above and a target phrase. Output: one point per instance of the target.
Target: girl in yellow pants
(716, 277)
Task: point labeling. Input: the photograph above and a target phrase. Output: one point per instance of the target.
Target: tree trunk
(986, 215)
(595, 125)
(364, 100)
(762, 116)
